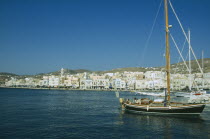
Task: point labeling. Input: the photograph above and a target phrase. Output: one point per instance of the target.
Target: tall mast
(167, 51)
(189, 62)
(203, 71)
(202, 61)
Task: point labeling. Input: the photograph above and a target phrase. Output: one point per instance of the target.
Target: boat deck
(172, 104)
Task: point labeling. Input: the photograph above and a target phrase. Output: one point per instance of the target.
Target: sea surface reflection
(88, 114)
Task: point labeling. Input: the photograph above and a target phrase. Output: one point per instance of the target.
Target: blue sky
(40, 36)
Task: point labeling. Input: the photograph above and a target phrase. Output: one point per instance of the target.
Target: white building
(86, 84)
(140, 84)
(100, 84)
(54, 81)
(118, 84)
(154, 75)
(45, 81)
(11, 82)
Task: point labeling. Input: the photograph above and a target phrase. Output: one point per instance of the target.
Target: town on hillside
(149, 80)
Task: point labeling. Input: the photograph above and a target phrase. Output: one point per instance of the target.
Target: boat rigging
(158, 106)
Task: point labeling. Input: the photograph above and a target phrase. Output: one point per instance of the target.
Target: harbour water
(62, 114)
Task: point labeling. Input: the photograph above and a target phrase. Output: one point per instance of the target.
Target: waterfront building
(67, 81)
(45, 81)
(179, 84)
(152, 80)
(206, 80)
(100, 84)
(11, 82)
(95, 76)
(154, 75)
(21, 83)
(133, 75)
(149, 84)
(75, 82)
(85, 84)
(140, 84)
(199, 83)
(118, 84)
(71, 81)
(29, 82)
(130, 84)
(54, 81)
(110, 74)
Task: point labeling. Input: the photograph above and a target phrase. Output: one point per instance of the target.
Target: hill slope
(175, 68)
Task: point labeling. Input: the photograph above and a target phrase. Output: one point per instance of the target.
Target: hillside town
(149, 80)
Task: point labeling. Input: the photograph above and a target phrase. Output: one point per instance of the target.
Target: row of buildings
(149, 80)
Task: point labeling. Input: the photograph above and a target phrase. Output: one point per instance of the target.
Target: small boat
(198, 92)
(161, 94)
(162, 106)
(203, 98)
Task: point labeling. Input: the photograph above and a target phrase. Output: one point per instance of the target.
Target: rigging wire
(179, 51)
(182, 58)
(150, 34)
(179, 56)
(185, 35)
(182, 50)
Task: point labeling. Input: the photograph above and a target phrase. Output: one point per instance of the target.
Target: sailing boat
(198, 91)
(163, 107)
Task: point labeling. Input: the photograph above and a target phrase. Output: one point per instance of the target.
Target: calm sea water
(62, 114)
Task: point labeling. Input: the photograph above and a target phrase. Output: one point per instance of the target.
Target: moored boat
(170, 109)
(166, 106)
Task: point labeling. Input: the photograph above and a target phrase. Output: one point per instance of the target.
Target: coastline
(42, 88)
(111, 90)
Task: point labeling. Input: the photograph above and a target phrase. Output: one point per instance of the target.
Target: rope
(182, 58)
(179, 56)
(185, 35)
(179, 52)
(182, 49)
(151, 31)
